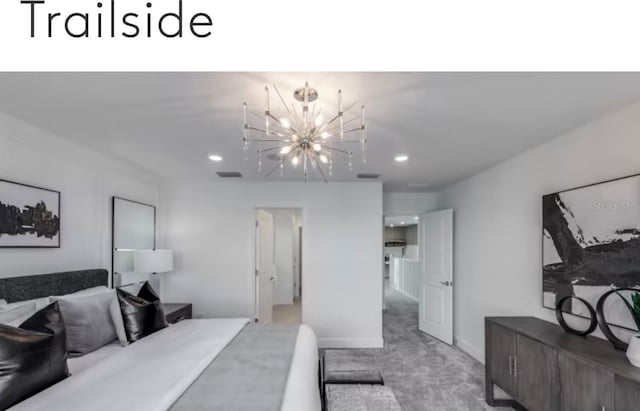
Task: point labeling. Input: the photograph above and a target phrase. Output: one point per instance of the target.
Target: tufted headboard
(43, 285)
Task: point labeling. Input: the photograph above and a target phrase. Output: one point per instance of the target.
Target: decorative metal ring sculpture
(592, 317)
(602, 321)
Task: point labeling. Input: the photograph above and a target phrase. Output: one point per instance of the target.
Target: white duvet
(151, 374)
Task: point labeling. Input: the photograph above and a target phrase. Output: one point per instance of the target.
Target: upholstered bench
(350, 367)
(358, 397)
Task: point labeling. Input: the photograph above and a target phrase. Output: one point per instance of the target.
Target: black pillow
(142, 314)
(32, 357)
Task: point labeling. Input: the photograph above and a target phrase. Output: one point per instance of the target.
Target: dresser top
(596, 351)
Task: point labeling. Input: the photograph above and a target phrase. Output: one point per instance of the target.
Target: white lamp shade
(153, 261)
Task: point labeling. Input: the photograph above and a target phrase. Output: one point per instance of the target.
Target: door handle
(511, 365)
(447, 283)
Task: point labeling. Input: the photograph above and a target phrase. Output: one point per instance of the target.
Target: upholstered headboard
(43, 285)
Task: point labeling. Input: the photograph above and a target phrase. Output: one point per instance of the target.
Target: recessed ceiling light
(401, 158)
(391, 225)
(416, 218)
(401, 222)
(215, 157)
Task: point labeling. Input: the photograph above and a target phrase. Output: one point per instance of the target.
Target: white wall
(405, 276)
(342, 242)
(87, 180)
(498, 219)
(409, 203)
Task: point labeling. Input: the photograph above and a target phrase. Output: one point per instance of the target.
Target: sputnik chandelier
(302, 137)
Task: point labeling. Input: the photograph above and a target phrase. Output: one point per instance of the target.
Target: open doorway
(278, 245)
(418, 256)
(401, 255)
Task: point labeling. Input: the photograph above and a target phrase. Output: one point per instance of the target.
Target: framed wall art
(29, 216)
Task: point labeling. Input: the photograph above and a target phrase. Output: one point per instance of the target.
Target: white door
(436, 256)
(265, 268)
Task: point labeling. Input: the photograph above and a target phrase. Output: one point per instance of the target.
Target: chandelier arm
(340, 142)
(295, 114)
(269, 140)
(274, 169)
(259, 130)
(313, 111)
(282, 100)
(333, 130)
(337, 116)
(313, 164)
(353, 129)
(346, 110)
(339, 150)
(271, 132)
(315, 159)
(349, 131)
(256, 129)
(332, 120)
(264, 150)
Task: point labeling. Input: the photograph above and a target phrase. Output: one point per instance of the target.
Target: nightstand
(176, 312)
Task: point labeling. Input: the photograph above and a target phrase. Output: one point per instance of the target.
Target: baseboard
(350, 343)
(469, 348)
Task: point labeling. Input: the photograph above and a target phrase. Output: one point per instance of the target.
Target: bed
(201, 364)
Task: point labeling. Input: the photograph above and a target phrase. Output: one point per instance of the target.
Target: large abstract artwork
(591, 242)
(29, 216)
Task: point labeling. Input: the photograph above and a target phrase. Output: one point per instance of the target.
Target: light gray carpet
(426, 374)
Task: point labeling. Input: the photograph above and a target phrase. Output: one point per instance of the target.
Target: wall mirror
(134, 228)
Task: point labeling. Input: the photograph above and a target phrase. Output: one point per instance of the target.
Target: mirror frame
(113, 229)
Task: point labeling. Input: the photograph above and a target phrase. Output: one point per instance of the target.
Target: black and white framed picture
(29, 216)
(591, 242)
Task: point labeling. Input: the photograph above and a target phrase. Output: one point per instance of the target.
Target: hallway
(424, 373)
(288, 313)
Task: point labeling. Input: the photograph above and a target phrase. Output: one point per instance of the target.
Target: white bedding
(79, 364)
(302, 392)
(152, 374)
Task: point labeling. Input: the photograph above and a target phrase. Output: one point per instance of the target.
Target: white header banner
(329, 35)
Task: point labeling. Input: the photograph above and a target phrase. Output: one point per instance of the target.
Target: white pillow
(114, 310)
(91, 291)
(3, 303)
(17, 314)
(39, 302)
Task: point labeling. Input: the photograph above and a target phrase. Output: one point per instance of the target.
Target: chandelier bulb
(295, 161)
(317, 147)
(325, 135)
(285, 150)
(285, 123)
(319, 120)
(324, 158)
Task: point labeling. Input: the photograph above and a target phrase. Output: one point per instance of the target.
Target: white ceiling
(452, 125)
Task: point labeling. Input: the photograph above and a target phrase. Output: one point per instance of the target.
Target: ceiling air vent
(368, 176)
(229, 174)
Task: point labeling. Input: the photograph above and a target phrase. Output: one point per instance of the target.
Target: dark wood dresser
(544, 368)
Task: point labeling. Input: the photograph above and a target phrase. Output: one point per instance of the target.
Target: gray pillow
(88, 321)
(116, 315)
